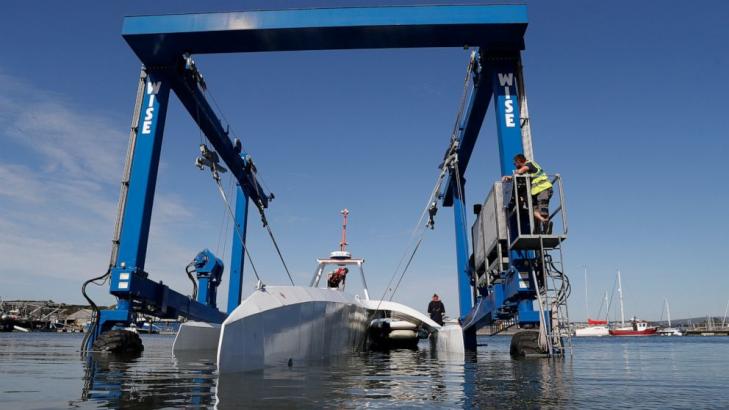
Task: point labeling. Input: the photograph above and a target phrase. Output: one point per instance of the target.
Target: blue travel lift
(165, 44)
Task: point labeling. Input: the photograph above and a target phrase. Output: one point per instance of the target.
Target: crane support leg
(505, 70)
(142, 182)
(139, 197)
(465, 302)
(237, 256)
(137, 213)
(462, 253)
(129, 282)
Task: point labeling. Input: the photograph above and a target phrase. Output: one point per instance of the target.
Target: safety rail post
(562, 204)
(364, 282)
(317, 276)
(517, 207)
(530, 204)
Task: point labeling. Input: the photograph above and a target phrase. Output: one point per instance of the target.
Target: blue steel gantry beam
(161, 39)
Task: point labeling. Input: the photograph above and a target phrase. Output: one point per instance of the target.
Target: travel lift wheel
(526, 343)
(118, 342)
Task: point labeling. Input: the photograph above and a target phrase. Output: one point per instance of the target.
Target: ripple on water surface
(45, 370)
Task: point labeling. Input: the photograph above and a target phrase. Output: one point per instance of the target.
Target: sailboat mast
(620, 292)
(587, 306)
(668, 312)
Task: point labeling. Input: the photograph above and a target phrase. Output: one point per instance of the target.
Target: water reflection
(152, 380)
(496, 380)
(44, 371)
(399, 378)
(396, 378)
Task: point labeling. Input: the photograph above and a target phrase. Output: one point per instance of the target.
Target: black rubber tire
(525, 343)
(119, 342)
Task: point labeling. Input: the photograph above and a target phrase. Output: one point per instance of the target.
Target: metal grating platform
(532, 242)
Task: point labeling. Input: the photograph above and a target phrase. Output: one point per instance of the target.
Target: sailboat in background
(669, 331)
(637, 327)
(594, 327)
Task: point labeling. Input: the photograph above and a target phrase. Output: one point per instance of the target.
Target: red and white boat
(636, 328)
(594, 328)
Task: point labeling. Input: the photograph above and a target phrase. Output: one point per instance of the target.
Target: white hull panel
(195, 336)
(284, 324)
(449, 340)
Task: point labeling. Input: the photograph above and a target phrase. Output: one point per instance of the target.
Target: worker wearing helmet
(541, 191)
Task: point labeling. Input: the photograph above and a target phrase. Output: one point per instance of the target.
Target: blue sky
(627, 99)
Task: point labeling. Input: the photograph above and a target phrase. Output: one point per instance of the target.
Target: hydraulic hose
(192, 279)
(95, 317)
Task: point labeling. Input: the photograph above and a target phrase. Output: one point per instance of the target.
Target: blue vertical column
(465, 303)
(506, 107)
(504, 71)
(462, 252)
(237, 255)
(142, 182)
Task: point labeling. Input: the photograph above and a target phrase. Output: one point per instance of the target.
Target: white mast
(587, 306)
(620, 292)
(668, 312)
(607, 308)
(723, 321)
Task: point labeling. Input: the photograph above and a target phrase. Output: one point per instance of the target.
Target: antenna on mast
(343, 244)
(342, 253)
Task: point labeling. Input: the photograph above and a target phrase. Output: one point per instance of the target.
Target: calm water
(40, 370)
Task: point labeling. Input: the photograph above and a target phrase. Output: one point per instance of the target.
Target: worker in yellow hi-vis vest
(541, 191)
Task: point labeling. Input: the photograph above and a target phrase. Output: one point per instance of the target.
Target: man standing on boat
(541, 190)
(436, 309)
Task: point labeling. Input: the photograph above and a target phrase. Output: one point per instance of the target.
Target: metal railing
(548, 277)
(520, 209)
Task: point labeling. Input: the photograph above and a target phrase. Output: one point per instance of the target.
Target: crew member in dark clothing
(436, 310)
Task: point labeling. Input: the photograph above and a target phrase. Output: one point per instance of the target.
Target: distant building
(79, 319)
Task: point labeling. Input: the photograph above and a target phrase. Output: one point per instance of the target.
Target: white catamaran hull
(196, 336)
(281, 325)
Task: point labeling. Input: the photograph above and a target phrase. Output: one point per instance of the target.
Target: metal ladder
(553, 299)
(547, 271)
